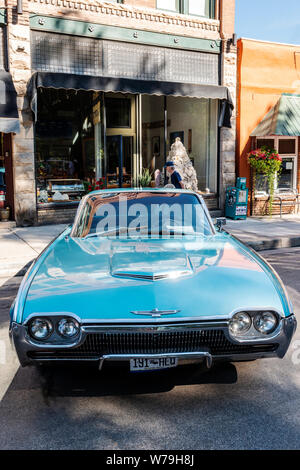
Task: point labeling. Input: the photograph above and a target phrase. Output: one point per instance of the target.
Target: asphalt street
(237, 406)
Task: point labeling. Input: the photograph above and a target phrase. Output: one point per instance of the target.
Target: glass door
(119, 151)
(121, 140)
(114, 150)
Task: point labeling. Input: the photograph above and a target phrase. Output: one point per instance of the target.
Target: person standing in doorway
(176, 179)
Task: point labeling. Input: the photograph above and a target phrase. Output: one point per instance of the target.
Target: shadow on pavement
(81, 381)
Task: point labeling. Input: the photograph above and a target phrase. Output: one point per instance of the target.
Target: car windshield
(136, 214)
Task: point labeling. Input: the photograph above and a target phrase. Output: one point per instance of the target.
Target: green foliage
(267, 162)
(145, 178)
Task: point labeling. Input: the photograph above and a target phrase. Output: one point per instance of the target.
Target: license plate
(153, 364)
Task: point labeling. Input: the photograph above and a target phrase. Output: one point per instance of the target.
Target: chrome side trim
(153, 321)
(52, 314)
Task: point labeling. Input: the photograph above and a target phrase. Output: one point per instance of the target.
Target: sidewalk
(20, 246)
(266, 233)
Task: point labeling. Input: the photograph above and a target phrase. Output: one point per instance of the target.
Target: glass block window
(85, 56)
(66, 54)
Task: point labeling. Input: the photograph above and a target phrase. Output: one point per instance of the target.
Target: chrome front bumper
(29, 351)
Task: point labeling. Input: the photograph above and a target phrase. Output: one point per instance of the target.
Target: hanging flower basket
(266, 162)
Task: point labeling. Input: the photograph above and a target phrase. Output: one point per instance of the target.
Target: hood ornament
(155, 313)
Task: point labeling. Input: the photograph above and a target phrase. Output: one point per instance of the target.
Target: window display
(194, 122)
(65, 149)
(75, 150)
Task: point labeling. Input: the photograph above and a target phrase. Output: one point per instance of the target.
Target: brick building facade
(102, 89)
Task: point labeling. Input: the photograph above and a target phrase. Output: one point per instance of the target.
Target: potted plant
(266, 162)
(145, 178)
(4, 214)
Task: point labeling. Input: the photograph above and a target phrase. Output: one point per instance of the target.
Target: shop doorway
(119, 150)
(121, 140)
(6, 174)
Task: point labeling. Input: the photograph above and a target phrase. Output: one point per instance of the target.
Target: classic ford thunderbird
(144, 276)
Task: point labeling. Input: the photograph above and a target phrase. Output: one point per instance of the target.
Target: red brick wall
(227, 17)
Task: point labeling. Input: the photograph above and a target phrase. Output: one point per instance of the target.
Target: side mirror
(220, 223)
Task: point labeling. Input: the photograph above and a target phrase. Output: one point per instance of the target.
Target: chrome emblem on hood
(155, 312)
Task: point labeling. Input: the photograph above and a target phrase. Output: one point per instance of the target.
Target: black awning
(124, 85)
(9, 117)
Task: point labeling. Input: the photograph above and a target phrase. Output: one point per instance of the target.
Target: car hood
(103, 279)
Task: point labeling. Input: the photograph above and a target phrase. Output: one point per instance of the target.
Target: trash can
(237, 200)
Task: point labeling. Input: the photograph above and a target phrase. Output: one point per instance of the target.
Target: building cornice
(115, 13)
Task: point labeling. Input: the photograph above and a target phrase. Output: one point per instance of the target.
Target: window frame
(294, 156)
(178, 7)
(183, 8)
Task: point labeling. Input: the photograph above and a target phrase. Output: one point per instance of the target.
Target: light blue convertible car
(144, 276)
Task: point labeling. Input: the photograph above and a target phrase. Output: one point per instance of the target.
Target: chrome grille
(99, 344)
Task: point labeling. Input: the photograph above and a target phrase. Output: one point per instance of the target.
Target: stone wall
(228, 136)
(18, 37)
(229, 79)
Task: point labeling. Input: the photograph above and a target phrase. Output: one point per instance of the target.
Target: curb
(274, 244)
(17, 270)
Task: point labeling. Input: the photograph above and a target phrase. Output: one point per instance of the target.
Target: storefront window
(287, 149)
(65, 145)
(118, 112)
(194, 121)
(287, 146)
(74, 147)
(286, 177)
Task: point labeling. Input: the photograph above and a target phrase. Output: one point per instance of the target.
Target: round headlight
(265, 322)
(40, 328)
(240, 324)
(68, 327)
